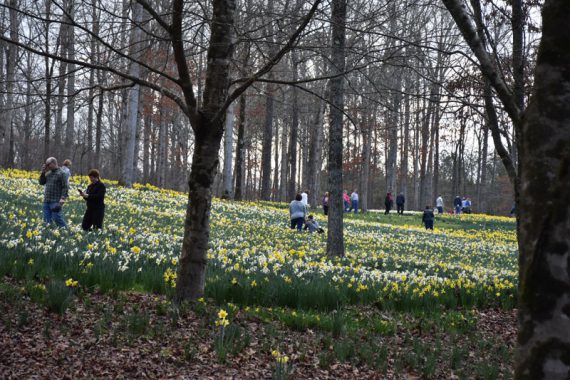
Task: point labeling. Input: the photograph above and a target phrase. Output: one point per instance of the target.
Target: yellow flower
(31, 262)
(174, 261)
(135, 250)
(29, 234)
(222, 314)
(283, 359)
(275, 353)
(71, 283)
(234, 281)
(253, 284)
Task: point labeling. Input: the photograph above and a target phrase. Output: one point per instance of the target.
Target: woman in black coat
(95, 198)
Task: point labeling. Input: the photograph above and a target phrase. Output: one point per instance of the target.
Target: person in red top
(389, 203)
(346, 200)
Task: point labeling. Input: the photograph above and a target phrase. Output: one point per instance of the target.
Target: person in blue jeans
(297, 213)
(354, 201)
(55, 192)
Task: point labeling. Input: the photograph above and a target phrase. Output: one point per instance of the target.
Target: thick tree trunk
(335, 233)
(208, 134)
(192, 268)
(544, 239)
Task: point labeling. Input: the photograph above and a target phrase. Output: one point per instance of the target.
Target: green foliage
(58, 297)
(232, 339)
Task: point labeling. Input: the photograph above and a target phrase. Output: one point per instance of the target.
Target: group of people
(55, 180)
(298, 210)
(350, 201)
(389, 203)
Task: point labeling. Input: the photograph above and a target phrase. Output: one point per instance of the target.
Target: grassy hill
(396, 282)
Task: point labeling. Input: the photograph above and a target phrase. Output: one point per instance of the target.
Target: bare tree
(335, 235)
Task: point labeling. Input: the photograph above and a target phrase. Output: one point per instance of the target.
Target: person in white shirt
(354, 201)
(439, 204)
(305, 198)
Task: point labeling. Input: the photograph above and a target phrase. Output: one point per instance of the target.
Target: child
(312, 225)
(428, 218)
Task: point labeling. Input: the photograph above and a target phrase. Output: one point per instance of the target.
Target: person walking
(400, 201)
(428, 218)
(55, 192)
(326, 203)
(66, 167)
(95, 198)
(354, 201)
(297, 212)
(388, 202)
(439, 204)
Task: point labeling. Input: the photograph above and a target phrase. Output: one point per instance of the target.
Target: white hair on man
(51, 160)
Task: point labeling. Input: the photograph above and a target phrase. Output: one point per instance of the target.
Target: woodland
(259, 100)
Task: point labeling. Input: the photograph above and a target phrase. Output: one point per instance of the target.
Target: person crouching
(95, 198)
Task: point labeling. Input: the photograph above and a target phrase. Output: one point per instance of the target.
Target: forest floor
(135, 335)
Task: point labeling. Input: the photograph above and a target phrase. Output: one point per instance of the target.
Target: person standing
(305, 198)
(439, 204)
(428, 218)
(400, 201)
(467, 206)
(346, 201)
(55, 192)
(457, 203)
(388, 202)
(326, 203)
(297, 212)
(354, 201)
(66, 167)
(95, 198)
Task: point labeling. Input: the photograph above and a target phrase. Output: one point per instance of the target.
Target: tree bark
(240, 151)
(228, 153)
(335, 233)
(544, 239)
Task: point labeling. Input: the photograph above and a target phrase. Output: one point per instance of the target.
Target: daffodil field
(254, 258)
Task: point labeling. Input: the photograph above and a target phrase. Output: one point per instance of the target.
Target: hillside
(403, 301)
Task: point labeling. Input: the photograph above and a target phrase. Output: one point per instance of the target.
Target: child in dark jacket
(428, 218)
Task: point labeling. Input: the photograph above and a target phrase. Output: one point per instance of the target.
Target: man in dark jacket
(95, 198)
(428, 218)
(400, 200)
(457, 203)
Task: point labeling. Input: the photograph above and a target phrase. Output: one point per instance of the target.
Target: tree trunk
(208, 134)
(544, 239)
(130, 131)
(335, 235)
(315, 152)
(70, 49)
(6, 129)
(240, 151)
(228, 153)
